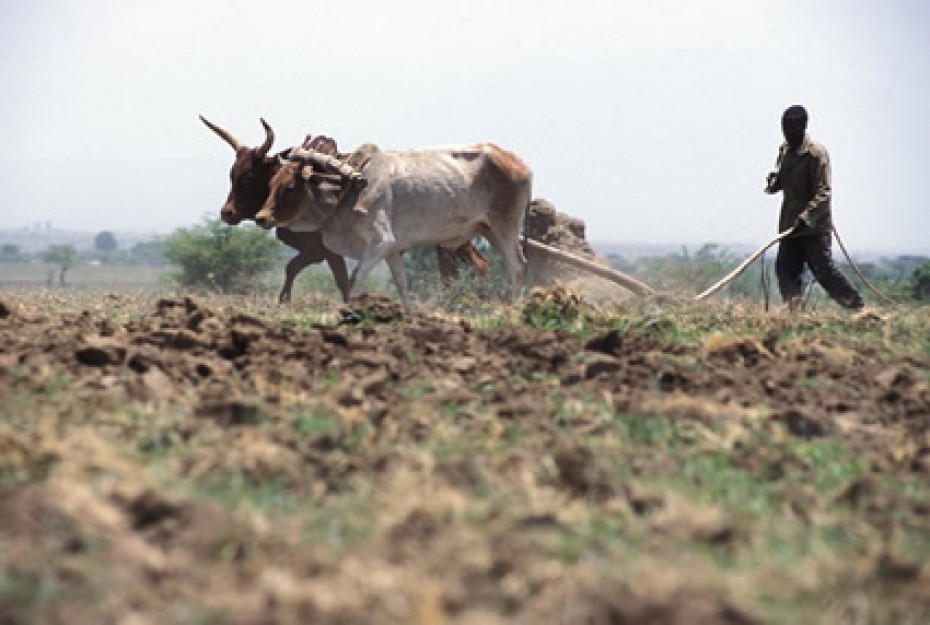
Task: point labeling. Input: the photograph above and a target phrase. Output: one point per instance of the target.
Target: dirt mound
(547, 225)
(193, 461)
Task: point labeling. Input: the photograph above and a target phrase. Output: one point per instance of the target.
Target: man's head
(793, 125)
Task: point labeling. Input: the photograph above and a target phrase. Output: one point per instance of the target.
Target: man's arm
(772, 183)
(817, 205)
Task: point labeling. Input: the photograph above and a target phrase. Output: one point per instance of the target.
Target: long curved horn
(269, 138)
(224, 134)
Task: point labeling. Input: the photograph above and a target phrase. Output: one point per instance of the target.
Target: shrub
(919, 283)
(214, 255)
(148, 253)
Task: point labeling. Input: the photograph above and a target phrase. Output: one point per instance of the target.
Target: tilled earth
(185, 461)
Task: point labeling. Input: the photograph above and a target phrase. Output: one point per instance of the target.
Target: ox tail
(601, 271)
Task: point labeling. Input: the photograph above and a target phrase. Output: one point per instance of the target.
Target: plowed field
(223, 460)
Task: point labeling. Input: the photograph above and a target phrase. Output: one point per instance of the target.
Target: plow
(730, 277)
(608, 273)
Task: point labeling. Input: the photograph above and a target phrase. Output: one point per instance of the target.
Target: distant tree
(214, 255)
(63, 256)
(148, 252)
(900, 268)
(105, 242)
(10, 252)
(892, 277)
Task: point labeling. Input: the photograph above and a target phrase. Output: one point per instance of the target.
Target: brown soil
(124, 439)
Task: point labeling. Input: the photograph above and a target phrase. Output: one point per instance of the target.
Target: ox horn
(224, 134)
(269, 138)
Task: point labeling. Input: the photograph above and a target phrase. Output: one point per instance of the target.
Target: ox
(434, 196)
(249, 179)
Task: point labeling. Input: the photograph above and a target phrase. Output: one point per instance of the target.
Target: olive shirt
(804, 178)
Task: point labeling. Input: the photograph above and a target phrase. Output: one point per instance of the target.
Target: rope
(855, 267)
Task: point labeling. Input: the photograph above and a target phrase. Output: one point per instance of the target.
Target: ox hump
(508, 163)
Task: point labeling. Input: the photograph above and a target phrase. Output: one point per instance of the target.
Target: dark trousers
(794, 253)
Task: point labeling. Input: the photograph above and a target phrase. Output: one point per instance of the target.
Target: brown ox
(249, 178)
(433, 196)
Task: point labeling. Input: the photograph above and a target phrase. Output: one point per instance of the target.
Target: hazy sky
(654, 121)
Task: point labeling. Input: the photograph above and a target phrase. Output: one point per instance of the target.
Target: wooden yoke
(345, 170)
(329, 163)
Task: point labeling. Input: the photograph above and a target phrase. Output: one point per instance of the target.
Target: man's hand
(771, 182)
(805, 220)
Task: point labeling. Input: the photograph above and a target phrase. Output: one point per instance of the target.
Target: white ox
(429, 196)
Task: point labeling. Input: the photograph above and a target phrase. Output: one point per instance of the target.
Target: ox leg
(451, 260)
(395, 263)
(337, 264)
(294, 267)
(512, 251)
(310, 250)
(362, 269)
(471, 255)
(448, 267)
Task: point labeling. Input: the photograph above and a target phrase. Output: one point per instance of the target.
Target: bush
(919, 283)
(217, 256)
(147, 253)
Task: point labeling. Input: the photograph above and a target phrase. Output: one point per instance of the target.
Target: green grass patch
(30, 591)
(317, 422)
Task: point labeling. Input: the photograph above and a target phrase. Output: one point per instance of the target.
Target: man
(802, 174)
